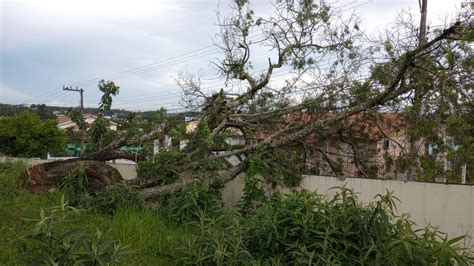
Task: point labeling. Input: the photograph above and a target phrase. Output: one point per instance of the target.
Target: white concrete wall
(127, 171)
(450, 207)
(29, 161)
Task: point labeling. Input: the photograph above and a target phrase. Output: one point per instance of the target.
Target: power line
(156, 66)
(146, 66)
(140, 71)
(126, 103)
(188, 56)
(45, 95)
(195, 54)
(168, 94)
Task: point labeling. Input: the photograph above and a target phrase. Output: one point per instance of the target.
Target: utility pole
(418, 91)
(423, 10)
(81, 91)
(83, 133)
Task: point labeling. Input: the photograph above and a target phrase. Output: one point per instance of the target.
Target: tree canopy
(336, 82)
(333, 74)
(27, 135)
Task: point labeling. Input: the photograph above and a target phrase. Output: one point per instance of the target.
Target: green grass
(296, 229)
(148, 233)
(15, 206)
(145, 231)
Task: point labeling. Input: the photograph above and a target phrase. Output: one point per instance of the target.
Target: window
(432, 149)
(386, 144)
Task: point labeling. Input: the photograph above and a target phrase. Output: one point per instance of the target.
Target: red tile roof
(63, 119)
(387, 121)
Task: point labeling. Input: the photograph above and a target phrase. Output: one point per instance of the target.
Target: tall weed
(187, 204)
(74, 188)
(117, 197)
(52, 241)
(218, 240)
(106, 201)
(307, 228)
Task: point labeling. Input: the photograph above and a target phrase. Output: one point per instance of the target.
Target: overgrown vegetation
(116, 198)
(163, 168)
(187, 204)
(143, 231)
(51, 242)
(193, 226)
(81, 193)
(27, 135)
(306, 228)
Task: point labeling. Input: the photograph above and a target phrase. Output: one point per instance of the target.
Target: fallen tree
(303, 33)
(300, 35)
(39, 178)
(42, 177)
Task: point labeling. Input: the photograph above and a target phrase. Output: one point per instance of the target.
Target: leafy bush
(218, 240)
(307, 228)
(52, 243)
(74, 188)
(187, 204)
(26, 135)
(254, 194)
(107, 201)
(164, 167)
(117, 197)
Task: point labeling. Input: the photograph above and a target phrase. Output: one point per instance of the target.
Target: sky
(142, 45)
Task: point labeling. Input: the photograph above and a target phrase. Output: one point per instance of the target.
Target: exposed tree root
(42, 177)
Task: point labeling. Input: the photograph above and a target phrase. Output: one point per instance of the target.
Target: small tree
(26, 135)
(98, 133)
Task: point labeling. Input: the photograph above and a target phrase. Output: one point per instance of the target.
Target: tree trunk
(149, 193)
(42, 177)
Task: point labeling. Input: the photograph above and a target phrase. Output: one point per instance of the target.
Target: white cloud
(45, 44)
(10, 95)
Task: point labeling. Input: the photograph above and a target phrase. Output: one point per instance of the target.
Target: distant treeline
(45, 111)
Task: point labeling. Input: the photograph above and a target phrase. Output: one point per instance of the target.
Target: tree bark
(43, 177)
(150, 193)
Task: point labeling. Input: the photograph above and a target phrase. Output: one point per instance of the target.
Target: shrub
(106, 201)
(27, 135)
(218, 240)
(163, 168)
(307, 228)
(117, 197)
(187, 204)
(52, 242)
(74, 188)
(253, 193)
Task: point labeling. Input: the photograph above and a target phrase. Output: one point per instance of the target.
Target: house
(381, 138)
(235, 138)
(366, 144)
(65, 122)
(372, 145)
